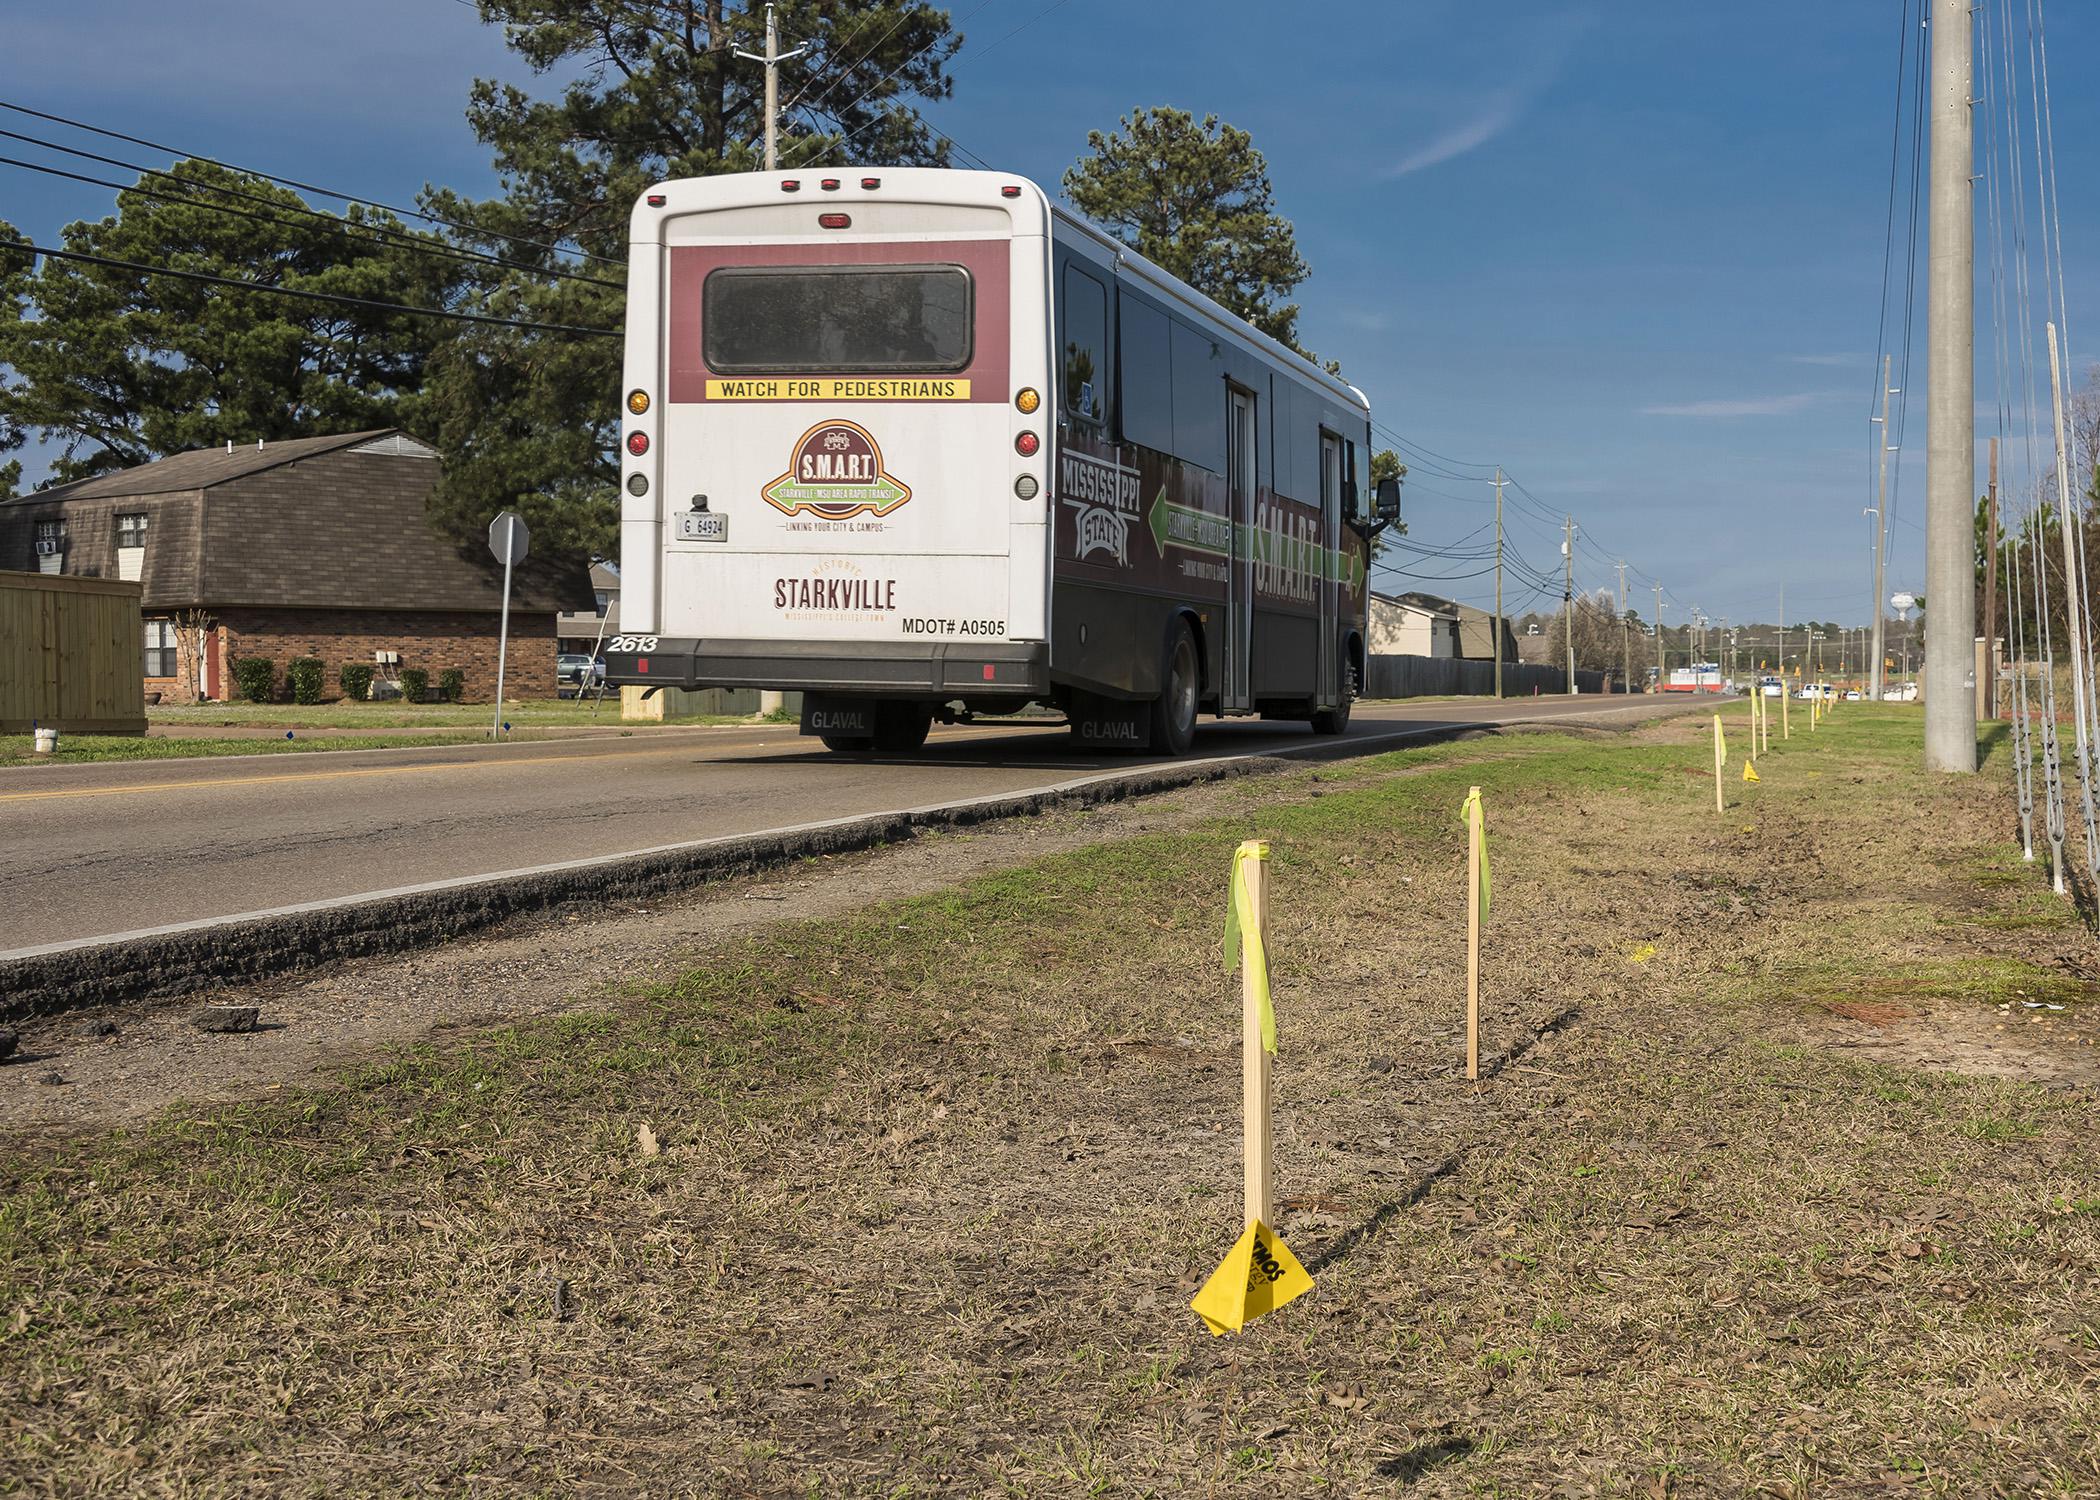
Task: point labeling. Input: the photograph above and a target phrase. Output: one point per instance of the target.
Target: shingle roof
(202, 468)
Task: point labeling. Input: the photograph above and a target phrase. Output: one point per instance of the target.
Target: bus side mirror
(1386, 502)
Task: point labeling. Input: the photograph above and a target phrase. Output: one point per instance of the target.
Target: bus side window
(1085, 354)
(1147, 374)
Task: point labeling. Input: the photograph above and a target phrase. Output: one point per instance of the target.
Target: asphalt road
(89, 853)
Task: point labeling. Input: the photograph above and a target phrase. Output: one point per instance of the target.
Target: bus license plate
(702, 526)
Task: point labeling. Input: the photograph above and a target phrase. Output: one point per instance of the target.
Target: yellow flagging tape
(1467, 811)
(1750, 772)
(1243, 938)
(1257, 1276)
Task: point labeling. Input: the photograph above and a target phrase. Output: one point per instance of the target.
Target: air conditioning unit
(48, 546)
(387, 658)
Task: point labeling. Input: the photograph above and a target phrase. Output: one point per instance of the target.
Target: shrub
(452, 685)
(256, 678)
(356, 678)
(415, 684)
(304, 678)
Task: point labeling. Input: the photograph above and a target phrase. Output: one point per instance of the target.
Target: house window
(50, 546)
(131, 546)
(160, 648)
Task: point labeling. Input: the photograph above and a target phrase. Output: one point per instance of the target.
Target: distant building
(580, 630)
(1412, 625)
(309, 547)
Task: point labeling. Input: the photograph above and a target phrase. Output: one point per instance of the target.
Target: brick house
(308, 547)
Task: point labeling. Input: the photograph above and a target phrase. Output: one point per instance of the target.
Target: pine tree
(1196, 200)
(530, 419)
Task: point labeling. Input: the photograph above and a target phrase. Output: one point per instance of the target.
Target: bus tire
(848, 744)
(1180, 686)
(901, 727)
(1336, 720)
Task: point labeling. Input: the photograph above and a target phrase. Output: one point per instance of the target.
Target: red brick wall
(432, 640)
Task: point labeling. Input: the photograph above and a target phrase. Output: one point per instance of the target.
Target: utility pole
(1950, 463)
(772, 58)
(1881, 531)
(1658, 637)
(1990, 596)
(1625, 631)
(1567, 597)
(1498, 581)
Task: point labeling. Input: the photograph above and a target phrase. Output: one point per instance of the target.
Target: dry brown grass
(936, 1183)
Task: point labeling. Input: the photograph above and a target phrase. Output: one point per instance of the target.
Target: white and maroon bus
(921, 445)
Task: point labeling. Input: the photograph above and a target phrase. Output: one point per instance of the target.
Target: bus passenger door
(1237, 694)
(1327, 688)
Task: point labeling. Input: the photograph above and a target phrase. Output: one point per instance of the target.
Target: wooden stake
(1254, 1061)
(1786, 729)
(1720, 761)
(1473, 835)
(1752, 752)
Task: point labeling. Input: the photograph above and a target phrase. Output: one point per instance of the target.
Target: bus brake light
(637, 443)
(835, 221)
(1025, 445)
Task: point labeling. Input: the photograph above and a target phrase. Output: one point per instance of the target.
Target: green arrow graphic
(1194, 530)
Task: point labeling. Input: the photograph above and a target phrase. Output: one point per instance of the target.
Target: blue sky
(1630, 249)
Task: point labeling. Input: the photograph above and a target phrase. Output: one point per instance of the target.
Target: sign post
(509, 542)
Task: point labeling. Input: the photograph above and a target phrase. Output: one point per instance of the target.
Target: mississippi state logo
(836, 473)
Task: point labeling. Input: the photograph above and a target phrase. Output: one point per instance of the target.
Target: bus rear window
(789, 320)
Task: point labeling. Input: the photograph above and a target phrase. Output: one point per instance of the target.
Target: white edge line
(498, 877)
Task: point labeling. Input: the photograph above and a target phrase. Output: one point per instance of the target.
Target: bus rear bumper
(936, 670)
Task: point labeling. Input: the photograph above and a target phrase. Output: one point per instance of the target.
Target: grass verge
(930, 1187)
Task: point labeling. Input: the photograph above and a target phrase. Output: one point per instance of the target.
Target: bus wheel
(1336, 720)
(901, 727)
(1180, 680)
(848, 744)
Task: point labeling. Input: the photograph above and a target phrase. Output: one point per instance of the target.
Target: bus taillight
(835, 221)
(1025, 445)
(637, 443)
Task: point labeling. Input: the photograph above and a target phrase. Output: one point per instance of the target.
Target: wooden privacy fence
(72, 654)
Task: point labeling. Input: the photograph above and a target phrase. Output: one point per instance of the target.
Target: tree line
(334, 323)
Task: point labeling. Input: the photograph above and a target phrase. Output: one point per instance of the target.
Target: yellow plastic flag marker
(1750, 772)
(1471, 813)
(1243, 937)
(1258, 1275)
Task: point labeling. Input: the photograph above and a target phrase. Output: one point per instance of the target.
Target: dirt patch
(1871, 1012)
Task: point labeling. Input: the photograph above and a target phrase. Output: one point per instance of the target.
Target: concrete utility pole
(1658, 637)
(1881, 529)
(1625, 631)
(1990, 597)
(1950, 462)
(773, 57)
(1498, 581)
(1567, 597)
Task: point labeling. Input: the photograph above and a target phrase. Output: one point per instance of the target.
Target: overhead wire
(307, 187)
(339, 299)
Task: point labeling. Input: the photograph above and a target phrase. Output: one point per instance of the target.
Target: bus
(922, 446)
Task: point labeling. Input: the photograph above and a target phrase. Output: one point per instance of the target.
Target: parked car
(577, 672)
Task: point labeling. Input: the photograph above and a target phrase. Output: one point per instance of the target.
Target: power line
(336, 298)
(326, 222)
(305, 187)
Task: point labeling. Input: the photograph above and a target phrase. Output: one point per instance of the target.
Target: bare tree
(190, 626)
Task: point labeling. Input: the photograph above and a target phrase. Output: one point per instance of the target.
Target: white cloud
(1501, 113)
(1754, 406)
(1831, 361)
(1494, 110)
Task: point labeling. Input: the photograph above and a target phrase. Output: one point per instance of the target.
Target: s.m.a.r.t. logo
(836, 472)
